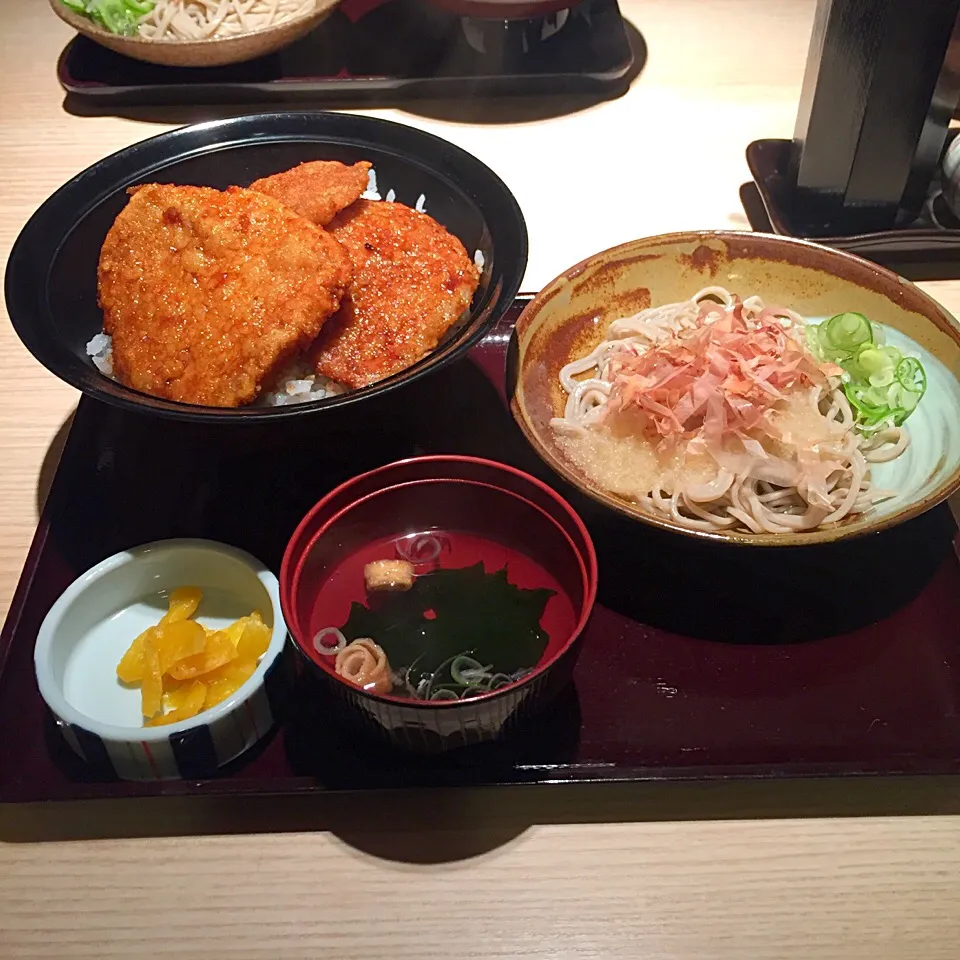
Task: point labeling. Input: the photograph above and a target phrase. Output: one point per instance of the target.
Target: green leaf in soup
(450, 612)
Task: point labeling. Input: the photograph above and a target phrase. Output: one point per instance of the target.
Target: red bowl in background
(486, 511)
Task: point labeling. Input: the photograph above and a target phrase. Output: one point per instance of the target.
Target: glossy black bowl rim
(81, 194)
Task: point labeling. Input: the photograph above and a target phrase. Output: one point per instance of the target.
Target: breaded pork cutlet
(206, 292)
(411, 281)
(318, 190)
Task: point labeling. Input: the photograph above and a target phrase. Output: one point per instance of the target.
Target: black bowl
(51, 279)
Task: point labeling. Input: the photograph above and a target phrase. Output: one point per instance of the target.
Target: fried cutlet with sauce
(411, 281)
(318, 190)
(205, 292)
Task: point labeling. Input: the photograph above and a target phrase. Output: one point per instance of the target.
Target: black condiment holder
(862, 170)
(878, 93)
(927, 247)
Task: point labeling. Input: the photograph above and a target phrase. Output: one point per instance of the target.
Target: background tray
(701, 661)
(920, 242)
(371, 51)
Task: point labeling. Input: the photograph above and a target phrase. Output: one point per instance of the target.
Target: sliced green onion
(882, 385)
(867, 411)
(847, 332)
(118, 16)
(908, 403)
(871, 361)
(443, 693)
(880, 396)
(464, 663)
(911, 375)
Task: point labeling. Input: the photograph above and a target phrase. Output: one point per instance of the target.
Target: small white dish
(94, 621)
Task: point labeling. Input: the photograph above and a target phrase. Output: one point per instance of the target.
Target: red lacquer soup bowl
(443, 513)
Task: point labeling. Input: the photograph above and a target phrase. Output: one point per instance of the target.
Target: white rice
(297, 382)
(100, 351)
(371, 193)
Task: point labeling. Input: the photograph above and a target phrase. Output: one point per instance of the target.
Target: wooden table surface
(607, 879)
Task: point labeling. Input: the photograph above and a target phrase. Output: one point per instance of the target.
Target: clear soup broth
(478, 616)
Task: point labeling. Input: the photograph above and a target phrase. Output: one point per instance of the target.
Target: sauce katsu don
(295, 288)
(204, 292)
(411, 281)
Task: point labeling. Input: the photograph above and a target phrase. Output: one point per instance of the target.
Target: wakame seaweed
(452, 612)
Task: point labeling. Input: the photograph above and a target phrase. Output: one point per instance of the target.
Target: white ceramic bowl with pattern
(94, 621)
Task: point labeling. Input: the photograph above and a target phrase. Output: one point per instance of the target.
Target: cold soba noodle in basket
(438, 616)
(727, 414)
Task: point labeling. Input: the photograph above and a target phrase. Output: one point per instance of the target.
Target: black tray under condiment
(926, 241)
(702, 662)
(378, 51)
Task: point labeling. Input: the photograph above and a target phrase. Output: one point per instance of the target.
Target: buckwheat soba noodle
(214, 19)
(727, 414)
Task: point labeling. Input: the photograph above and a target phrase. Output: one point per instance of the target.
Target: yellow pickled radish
(183, 604)
(218, 650)
(185, 667)
(177, 640)
(191, 704)
(227, 680)
(130, 667)
(151, 690)
(175, 697)
(254, 640)
(235, 630)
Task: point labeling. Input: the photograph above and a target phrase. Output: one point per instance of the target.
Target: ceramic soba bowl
(456, 502)
(216, 52)
(568, 318)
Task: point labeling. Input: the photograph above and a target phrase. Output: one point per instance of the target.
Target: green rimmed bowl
(569, 317)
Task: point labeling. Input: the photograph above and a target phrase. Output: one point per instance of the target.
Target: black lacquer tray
(378, 51)
(701, 663)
